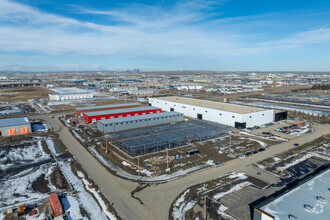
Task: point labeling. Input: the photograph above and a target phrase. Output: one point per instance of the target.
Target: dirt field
(15, 95)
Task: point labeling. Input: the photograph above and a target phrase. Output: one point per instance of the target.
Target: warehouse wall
(78, 112)
(111, 127)
(215, 115)
(15, 130)
(62, 97)
(90, 119)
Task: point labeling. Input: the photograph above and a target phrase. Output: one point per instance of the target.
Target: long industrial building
(91, 117)
(79, 111)
(63, 94)
(14, 126)
(237, 116)
(127, 123)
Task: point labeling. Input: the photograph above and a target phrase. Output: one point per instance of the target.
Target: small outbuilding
(14, 126)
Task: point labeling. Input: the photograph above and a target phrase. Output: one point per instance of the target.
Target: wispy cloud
(184, 30)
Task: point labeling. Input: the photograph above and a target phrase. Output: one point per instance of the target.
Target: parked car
(261, 149)
(218, 163)
(242, 156)
(295, 144)
(248, 153)
(255, 152)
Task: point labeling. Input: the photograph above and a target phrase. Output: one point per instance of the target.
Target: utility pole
(167, 158)
(138, 166)
(106, 144)
(204, 208)
(229, 141)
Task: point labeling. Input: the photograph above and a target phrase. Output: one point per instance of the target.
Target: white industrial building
(143, 92)
(63, 94)
(237, 116)
(124, 89)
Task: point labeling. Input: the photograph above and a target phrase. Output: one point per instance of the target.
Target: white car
(242, 156)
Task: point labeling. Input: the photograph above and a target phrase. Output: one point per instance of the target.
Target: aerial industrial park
(164, 110)
(213, 145)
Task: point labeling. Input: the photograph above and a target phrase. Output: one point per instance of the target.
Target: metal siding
(136, 122)
(89, 119)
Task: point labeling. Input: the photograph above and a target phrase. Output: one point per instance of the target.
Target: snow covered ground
(83, 198)
(233, 189)
(18, 190)
(51, 146)
(27, 153)
(294, 162)
(181, 206)
(78, 136)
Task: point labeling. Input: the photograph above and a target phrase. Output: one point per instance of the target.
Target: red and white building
(91, 117)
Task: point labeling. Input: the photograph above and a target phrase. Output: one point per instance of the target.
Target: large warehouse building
(79, 111)
(237, 116)
(120, 124)
(306, 199)
(63, 94)
(91, 117)
(14, 126)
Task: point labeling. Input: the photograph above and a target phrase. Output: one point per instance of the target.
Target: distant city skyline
(224, 35)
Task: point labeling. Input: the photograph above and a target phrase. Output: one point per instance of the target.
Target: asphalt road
(115, 189)
(157, 199)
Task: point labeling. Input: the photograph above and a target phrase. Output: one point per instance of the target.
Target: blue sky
(223, 35)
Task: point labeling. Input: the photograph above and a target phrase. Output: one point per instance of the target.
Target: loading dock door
(240, 125)
(199, 116)
(172, 109)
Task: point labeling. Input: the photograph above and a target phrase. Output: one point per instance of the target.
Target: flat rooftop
(118, 111)
(306, 194)
(140, 117)
(14, 121)
(69, 90)
(241, 109)
(107, 106)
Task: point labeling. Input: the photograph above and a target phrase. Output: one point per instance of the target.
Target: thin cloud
(183, 31)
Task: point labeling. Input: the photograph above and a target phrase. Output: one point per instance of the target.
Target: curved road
(157, 199)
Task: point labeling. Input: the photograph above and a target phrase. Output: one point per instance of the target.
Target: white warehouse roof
(7, 122)
(241, 109)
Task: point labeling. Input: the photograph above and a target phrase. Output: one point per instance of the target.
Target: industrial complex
(108, 145)
(237, 116)
(14, 126)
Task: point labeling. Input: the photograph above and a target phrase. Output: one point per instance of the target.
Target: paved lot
(237, 202)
